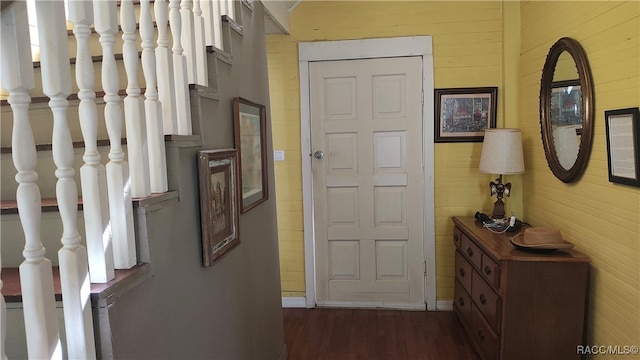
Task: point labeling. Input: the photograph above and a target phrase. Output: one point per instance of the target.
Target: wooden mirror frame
(586, 83)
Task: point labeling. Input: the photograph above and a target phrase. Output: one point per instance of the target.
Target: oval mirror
(566, 109)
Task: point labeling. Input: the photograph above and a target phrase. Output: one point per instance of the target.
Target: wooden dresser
(516, 304)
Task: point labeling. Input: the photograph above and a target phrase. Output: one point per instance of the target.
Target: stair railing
(106, 190)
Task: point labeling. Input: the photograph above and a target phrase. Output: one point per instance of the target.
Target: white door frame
(363, 49)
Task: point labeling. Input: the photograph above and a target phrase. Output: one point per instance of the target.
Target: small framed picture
(623, 135)
(462, 114)
(250, 132)
(219, 212)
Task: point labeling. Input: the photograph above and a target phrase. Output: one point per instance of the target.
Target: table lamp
(502, 155)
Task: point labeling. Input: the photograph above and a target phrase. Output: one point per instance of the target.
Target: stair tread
(12, 290)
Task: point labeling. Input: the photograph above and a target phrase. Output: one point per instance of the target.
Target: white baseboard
(372, 305)
(442, 305)
(301, 302)
(294, 302)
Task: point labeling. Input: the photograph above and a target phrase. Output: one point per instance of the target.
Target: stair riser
(16, 342)
(51, 231)
(46, 172)
(41, 119)
(97, 78)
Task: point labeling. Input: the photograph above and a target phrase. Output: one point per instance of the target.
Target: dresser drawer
(462, 302)
(487, 301)
(483, 335)
(457, 237)
(463, 271)
(471, 251)
(491, 271)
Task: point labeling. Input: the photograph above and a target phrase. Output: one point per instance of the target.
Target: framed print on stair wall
(219, 211)
(462, 114)
(250, 131)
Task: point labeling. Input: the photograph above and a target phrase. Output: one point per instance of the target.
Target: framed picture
(218, 179)
(250, 131)
(623, 135)
(566, 104)
(462, 114)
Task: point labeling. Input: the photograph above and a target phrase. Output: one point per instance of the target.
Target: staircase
(85, 122)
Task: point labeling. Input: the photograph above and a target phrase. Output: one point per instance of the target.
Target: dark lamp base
(498, 209)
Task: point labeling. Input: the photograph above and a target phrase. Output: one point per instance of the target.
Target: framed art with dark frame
(623, 134)
(219, 214)
(462, 114)
(250, 131)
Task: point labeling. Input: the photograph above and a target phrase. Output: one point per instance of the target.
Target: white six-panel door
(366, 131)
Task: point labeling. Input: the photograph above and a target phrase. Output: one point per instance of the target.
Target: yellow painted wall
(500, 44)
(468, 52)
(601, 218)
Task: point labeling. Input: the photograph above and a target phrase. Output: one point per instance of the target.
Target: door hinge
(422, 95)
(425, 267)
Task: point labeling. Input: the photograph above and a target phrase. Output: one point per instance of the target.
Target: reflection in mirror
(566, 109)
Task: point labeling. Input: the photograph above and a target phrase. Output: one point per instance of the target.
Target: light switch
(278, 155)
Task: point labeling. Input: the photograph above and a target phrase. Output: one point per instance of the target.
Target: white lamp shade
(502, 152)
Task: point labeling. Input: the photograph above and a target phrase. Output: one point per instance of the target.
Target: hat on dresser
(540, 238)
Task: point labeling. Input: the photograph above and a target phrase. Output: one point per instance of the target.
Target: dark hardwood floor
(352, 334)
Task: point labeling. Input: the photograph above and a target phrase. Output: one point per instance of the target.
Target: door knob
(318, 154)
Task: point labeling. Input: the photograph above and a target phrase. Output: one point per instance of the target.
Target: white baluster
(41, 323)
(216, 8)
(92, 173)
(153, 110)
(228, 8)
(207, 13)
(134, 115)
(202, 73)
(36, 277)
(120, 206)
(74, 272)
(188, 39)
(183, 107)
(164, 70)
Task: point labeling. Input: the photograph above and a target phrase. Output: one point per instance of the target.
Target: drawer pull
(483, 299)
(470, 252)
(455, 238)
(487, 270)
(461, 301)
(461, 272)
(480, 335)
